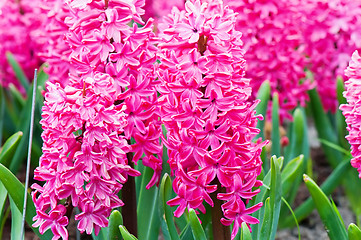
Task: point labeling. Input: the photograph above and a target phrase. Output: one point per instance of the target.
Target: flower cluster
(18, 24)
(109, 97)
(205, 108)
(273, 44)
(54, 50)
(332, 30)
(352, 110)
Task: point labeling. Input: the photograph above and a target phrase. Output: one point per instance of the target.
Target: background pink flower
(332, 30)
(19, 22)
(273, 47)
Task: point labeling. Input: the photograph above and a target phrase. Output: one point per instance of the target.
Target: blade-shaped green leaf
(3, 197)
(324, 128)
(327, 187)
(16, 190)
(245, 234)
(266, 221)
(293, 215)
(24, 126)
(165, 209)
(291, 180)
(19, 99)
(275, 194)
(331, 220)
(126, 235)
(102, 235)
(275, 134)
(261, 197)
(9, 148)
(354, 233)
(264, 95)
(115, 220)
(340, 87)
(20, 75)
(291, 172)
(186, 233)
(196, 226)
(298, 141)
(16, 219)
(147, 209)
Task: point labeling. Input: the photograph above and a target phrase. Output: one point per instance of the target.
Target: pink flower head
(19, 22)
(206, 110)
(272, 39)
(331, 30)
(92, 110)
(352, 109)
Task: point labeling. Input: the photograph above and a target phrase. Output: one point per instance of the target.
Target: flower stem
(220, 231)
(129, 210)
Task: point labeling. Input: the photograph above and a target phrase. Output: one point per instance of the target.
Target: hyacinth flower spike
(208, 115)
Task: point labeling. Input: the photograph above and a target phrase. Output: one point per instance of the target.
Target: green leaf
(165, 210)
(3, 197)
(336, 147)
(3, 220)
(266, 221)
(327, 187)
(260, 197)
(16, 191)
(102, 235)
(269, 218)
(115, 220)
(147, 209)
(275, 134)
(245, 235)
(196, 226)
(18, 97)
(16, 221)
(291, 180)
(24, 126)
(324, 128)
(333, 224)
(261, 108)
(293, 215)
(275, 194)
(298, 142)
(354, 233)
(186, 233)
(291, 172)
(9, 148)
(340, 87)
(126, 235)
(20, 75)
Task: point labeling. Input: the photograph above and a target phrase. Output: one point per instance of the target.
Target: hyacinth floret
(89, 118)
(352, 110)
(206, 109)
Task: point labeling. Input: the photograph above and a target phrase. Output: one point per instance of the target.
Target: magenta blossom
(206, 109)
(352, 110)
(331, 30)
(19, 22)
(272, 39)
(93, 108)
